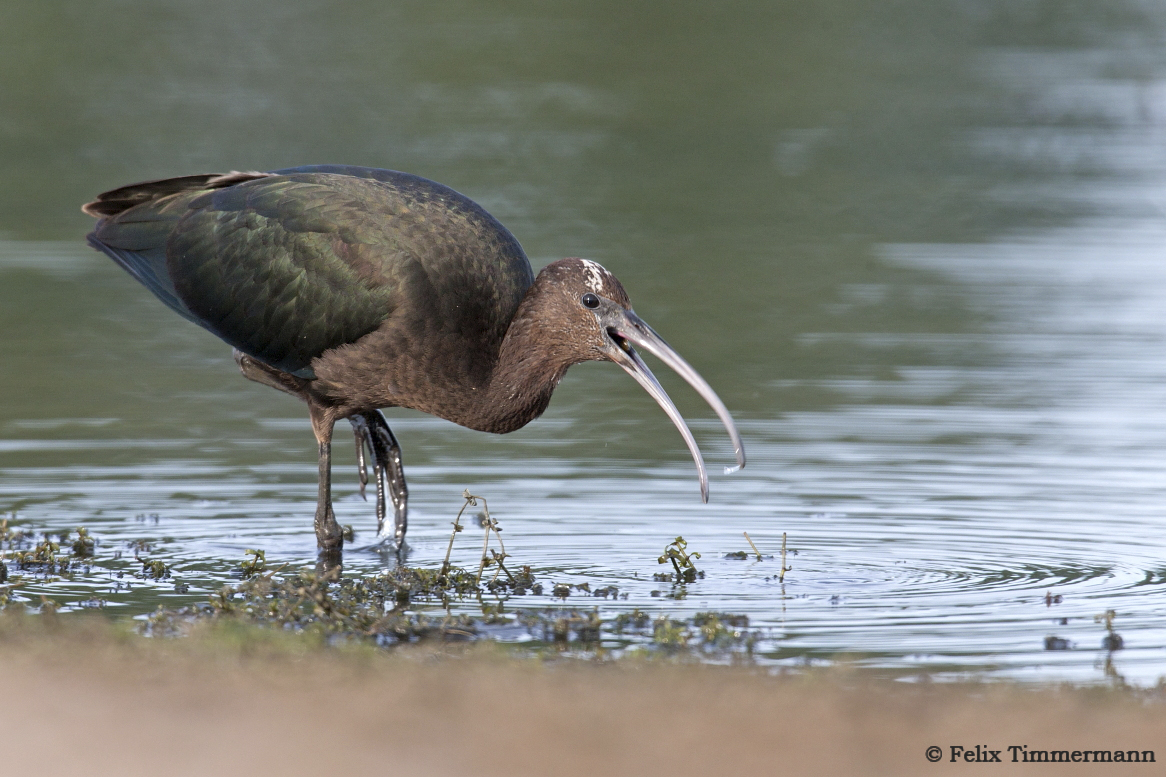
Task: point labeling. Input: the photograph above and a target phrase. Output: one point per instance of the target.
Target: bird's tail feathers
(117, 201)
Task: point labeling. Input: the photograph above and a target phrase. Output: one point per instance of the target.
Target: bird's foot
(330, 562)
(329, 534)
(372, 433)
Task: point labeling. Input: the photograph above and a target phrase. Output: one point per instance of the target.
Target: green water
(916, 247)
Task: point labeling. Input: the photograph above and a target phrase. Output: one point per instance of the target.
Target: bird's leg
(372, 430)
(329, 538)
(255, 370)
(328, 535)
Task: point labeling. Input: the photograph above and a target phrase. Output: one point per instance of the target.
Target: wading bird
(357, 289)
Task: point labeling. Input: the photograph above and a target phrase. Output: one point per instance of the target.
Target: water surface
(918, 251)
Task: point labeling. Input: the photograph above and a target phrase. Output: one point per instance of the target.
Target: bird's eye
(590, 301)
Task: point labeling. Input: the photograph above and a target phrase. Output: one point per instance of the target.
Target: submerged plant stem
(755, 550)
(784, 568)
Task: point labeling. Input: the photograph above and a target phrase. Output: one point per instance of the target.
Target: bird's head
(590, 318)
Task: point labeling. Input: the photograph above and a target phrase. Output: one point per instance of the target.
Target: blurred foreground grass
(84, 694)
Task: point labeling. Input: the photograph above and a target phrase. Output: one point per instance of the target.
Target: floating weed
(558, 626)
(360, 608)
(517, 583)
(705, 634)
(668, 633)
(256, 565)
(43, 558)
(721, 629)
(154, 569)
(677, 552)
(10, 537)
(636, 619)
(84, 545)
(394, 607)
(1112, 640)
(409, 583)
(379, 608)
(713, 630)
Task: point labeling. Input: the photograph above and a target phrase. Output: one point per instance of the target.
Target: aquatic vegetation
(723, 629)
(557, 626)
(154, 569)
(742, 555)
(670, 633)
(399, 606)
(368, 607)
(677, 552)
(750, 541)
(83, 546)
(1112, 640)
(372, 607)
(784, 568)
(490, 557)
(383, 609)
(44, 558)
(255, 565)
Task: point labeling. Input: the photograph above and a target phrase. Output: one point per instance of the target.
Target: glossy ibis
(356, 289)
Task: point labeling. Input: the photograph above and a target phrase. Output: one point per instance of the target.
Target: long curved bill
(632, 330)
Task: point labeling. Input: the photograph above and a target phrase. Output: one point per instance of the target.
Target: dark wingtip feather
(120, 200)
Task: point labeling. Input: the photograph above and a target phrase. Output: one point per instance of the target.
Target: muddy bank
(82, 696)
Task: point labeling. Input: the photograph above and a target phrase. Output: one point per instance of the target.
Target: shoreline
(83, 695)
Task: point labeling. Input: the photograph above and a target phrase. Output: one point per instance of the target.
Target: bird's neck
(528, 369)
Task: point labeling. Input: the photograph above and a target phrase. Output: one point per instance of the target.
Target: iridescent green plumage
(287, 265)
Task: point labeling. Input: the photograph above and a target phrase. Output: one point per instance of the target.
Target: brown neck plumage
(531, 362)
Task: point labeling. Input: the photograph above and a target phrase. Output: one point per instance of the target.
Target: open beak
(625, 329)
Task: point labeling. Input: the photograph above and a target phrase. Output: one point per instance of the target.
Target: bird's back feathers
(289, 264)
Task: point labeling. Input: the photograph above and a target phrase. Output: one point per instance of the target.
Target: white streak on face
(595, 275)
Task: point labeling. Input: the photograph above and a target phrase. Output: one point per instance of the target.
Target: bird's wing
(273, 266)
(138, 242)
(285, 266)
